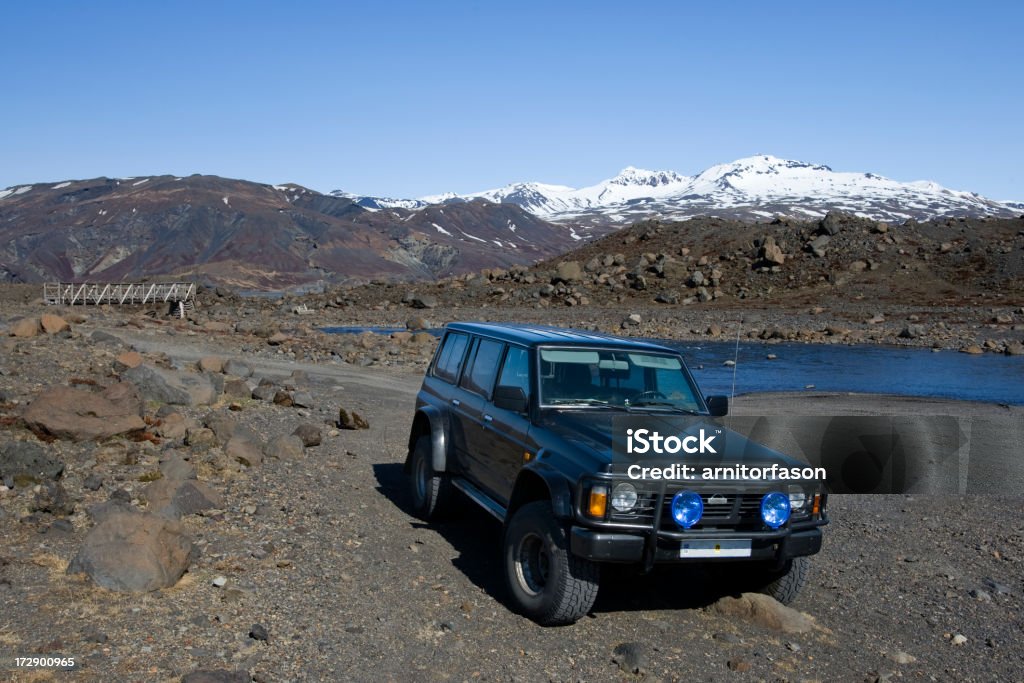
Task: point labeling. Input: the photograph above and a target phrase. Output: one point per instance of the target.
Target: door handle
(488, 419)
(456, 402)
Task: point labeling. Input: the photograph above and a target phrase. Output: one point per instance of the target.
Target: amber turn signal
(816, 507)
(598, 501)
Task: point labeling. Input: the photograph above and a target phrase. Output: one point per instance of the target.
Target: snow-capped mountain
(753, 188)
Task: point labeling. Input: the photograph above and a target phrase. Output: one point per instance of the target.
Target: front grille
(739, 510)
(725, 507)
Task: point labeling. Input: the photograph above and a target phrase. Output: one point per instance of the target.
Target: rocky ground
(253, 466)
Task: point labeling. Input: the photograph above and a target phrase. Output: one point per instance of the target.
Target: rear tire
(546, 581)
(431, 491)
(784, 585)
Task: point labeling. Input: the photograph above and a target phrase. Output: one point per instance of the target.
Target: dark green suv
(550, 431)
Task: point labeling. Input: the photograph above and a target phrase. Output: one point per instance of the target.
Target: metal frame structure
(120, 293)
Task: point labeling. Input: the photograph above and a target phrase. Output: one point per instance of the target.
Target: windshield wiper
(667, 404)
(583, 402)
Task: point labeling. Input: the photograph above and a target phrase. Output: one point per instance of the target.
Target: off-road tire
(546, 581)
(785, 584)
(431, 491)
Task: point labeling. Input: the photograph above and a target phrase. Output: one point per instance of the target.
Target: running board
(480, 498)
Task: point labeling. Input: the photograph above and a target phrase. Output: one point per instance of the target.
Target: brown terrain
(224, 493)
(251, 236)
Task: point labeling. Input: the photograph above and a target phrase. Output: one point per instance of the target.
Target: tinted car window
(515, 372)
(450, 359)
(480, 377)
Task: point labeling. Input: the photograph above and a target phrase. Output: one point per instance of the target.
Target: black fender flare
(429, 420)
(538, 473)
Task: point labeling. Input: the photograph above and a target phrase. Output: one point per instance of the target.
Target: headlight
(775, 509)
(797, 498)
(624, 497)
(687, 508)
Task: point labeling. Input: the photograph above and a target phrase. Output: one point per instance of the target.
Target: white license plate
(711, 548)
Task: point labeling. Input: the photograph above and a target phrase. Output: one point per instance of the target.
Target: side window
(449, 360)
(480, 377)
(515, 372)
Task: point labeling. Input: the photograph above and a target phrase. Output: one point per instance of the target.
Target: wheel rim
(533, 564)
(421, 478)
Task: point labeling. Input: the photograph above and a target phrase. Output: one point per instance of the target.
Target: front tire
(785, 584)
(430, 491)
(546, 581)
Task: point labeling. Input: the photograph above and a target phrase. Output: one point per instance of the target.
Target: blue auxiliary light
(775, 509)
(687, 508)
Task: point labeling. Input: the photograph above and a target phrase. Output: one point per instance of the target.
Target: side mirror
(718, 406)
(510, 398)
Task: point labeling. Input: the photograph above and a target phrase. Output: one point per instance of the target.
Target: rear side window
(516, 370)
(449, 359)
(480, 376)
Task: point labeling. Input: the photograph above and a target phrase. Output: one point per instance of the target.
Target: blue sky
(407, 99)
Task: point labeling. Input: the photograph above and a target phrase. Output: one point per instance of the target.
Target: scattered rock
(772, 252)
(265, 391)
(53, 324)
(284, 447)
(972, 349)
(422, 301)
(244, 447)
(80, 415)
(52, 498)
(127, 360)
(417, 323)
(302, 399)
(134, 552)
(913, 331)
(237, 368)
(175, 498)
(738, 665)
(351, 420)
(309, 434)
(172, 386)
(211, 364)
(26, 327)
(259, 632)
(959, 639)
(568, 271)
(764, 611)
(632, 320)
(903, 658)
(237, 388)
(631, 657)
(25, 463)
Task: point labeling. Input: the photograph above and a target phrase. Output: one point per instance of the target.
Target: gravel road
(323, 554)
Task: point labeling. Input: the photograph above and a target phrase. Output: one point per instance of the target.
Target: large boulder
(765, 611)
(80, 415)
(26, 327)
(172, 498)
(134, 552)
(52, 324)
(27, 463)
(568, 271)
(172, 386)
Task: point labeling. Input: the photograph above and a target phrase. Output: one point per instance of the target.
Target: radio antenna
(736, 358)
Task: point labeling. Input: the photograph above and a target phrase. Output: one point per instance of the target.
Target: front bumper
(639, 547)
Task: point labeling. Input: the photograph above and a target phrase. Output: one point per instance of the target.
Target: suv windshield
(614, 377)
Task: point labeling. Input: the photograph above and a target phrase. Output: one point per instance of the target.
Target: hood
(603, 433)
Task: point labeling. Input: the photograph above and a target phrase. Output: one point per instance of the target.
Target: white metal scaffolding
(121, 293)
